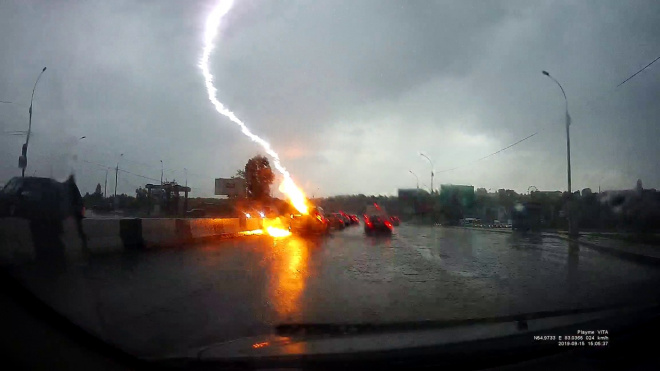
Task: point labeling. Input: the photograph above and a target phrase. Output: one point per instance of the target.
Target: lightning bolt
(288, 186)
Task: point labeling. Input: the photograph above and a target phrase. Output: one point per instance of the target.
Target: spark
(288, 186)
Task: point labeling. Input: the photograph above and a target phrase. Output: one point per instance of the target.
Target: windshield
(516, 142)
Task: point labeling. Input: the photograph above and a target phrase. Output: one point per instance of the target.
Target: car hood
(293, 341)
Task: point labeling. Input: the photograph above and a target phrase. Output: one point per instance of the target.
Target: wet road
(166, 301)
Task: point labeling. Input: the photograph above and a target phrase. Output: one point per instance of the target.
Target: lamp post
(416, 177)
(161, 172)
(22, 161)
(432, 167)
(572, 230)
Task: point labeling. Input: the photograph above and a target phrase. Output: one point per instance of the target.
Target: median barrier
(202, 228)
(16, 244)
(159, 232)
(253, 224)
(231, 226)
(182, 227)
(24, 241)
(130, 231)
(103, 235)
(209, 227)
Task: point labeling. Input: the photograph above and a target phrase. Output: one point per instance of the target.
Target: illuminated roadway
(165, 301)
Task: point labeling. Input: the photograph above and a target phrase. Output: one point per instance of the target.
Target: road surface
(163, 302)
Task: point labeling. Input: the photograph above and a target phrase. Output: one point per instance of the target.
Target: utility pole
(105, 187)
(116, 177)
(432, 169)
(161, 172)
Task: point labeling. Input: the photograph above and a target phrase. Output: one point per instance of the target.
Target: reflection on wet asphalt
(161, 302)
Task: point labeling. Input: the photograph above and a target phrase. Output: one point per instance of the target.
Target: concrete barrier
(252, 224)
(209, 227)
(202, 228)
(159, 232)
(103, 235)
(16, 244)
(24, 241)
(130, 231)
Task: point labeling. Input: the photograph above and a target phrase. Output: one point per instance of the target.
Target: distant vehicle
(35, 198)
(469, 222)
(355, 219)
(313, 223)
(196, 213)
(376, 224)
(376, 209)
(336, 221)
(395, 220)
(347, 219)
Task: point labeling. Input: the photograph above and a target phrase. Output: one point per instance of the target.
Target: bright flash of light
(276, 228)
(251, 233)
(277, 232)
(288, 187)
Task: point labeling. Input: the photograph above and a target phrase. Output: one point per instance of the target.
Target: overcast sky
(348, 92)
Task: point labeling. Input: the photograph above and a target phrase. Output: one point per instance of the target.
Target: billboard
(230, 187)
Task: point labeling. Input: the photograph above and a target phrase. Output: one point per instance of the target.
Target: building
(455, 202)
(463, 194)
(413, 201)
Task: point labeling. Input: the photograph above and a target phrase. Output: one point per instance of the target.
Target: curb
(639, 258)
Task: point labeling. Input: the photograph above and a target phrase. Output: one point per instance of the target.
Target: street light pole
(571, 229)
(23, 162)
(116, 177)
(416, 177)
(105, 187)
(161, 172)
(432, 169)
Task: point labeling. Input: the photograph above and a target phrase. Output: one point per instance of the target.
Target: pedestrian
(77, 208)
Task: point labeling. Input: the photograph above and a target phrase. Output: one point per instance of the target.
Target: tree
(258, 178)
(98, 191)
(239, 174)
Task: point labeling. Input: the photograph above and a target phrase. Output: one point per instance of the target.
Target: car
(346, 218)
(395, 220)
(355, 219)
(336, 221)
(376, 224)
(36, 198)
(314, 222)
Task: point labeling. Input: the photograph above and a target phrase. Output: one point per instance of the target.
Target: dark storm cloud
(347, 91)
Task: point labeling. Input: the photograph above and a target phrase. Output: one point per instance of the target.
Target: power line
(635, 74)
(492, 154)
(507, 147)
(581, 105)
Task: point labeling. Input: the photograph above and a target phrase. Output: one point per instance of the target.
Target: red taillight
(369, 224)
(388, 225)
